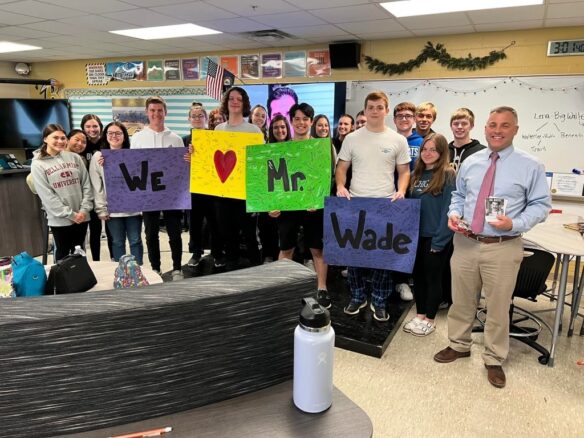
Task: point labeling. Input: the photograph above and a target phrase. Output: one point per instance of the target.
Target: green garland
(441, 56)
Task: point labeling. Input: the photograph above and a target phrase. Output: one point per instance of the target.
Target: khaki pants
(493, 268)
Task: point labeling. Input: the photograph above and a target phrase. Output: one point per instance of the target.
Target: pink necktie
(478, 219)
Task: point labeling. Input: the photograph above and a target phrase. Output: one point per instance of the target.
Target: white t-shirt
(148, 139)
(373, 157)
(242, 127)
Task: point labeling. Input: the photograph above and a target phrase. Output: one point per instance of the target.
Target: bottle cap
(313, 315)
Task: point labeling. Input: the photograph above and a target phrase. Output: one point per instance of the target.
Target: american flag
(216, 76)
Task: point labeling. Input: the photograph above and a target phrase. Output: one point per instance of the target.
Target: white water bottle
(314, 341)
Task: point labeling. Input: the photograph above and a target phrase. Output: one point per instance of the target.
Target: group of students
(68, 176)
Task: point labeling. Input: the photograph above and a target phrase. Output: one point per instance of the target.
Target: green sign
(294, 175)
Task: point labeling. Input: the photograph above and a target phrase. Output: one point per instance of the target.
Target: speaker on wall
(345, 55)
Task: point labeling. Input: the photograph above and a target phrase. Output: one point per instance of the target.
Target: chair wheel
(543, 359)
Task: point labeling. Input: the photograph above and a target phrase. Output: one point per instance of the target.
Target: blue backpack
(29, 276)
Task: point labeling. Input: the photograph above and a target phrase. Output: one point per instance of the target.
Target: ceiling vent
(268, 36)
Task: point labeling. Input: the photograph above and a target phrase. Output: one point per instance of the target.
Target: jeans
(130, 227)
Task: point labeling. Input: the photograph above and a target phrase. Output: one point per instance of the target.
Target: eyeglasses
(404, 116)
(115, 134)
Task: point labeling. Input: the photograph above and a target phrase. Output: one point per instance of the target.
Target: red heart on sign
(224, 164)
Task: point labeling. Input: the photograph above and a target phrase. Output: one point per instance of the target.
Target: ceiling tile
(321, 4)
(143, 18)
(19, 32)
(443, 31)
(431, 21)
(528, 24)
(56, 27)
(8, 18)
(557, 22)
(97, 22)
(507, 14)
(387, 25)
(291, 19)
(255, 7)
(351, 13)
(565, 10)
(315, 31)
(41, 10)
(194, 12)
(154, 3)
(92, 6)
(234, 25)
(384, 35)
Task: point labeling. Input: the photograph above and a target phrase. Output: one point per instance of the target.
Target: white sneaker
(423, 329)
(177, 275)
(405, 293)
(345, 273)
(408, 326)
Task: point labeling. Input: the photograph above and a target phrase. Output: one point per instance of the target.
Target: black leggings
(234, 219)
(95, 237)
(67, 238)
(428, 271)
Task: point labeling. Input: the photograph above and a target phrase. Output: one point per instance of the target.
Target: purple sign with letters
(146, 180)
(371, 232)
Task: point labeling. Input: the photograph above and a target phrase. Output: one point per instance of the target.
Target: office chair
(526, 326)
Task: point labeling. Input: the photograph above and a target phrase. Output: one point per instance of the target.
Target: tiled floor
(407, 394)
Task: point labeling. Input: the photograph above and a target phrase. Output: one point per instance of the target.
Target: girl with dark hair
(345, 126)
(433, 182)
(62, 182)
(279, 129)
(259, 117)
(120, 225)
(321, 128)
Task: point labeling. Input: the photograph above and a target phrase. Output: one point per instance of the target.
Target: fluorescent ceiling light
(8, 47)
(412, 8)
(162, 32)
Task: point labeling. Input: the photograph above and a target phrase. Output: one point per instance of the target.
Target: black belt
(490, 239)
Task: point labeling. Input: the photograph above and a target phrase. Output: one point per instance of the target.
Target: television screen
(326, 98)
(22, 120)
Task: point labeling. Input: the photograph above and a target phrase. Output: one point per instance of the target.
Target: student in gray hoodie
(62, 182)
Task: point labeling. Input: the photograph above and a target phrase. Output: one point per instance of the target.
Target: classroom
(272, 161)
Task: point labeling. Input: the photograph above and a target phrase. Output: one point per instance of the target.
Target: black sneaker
(354, 307)
(220, 262)
(194, 261)
(323, 298)
(379, 313)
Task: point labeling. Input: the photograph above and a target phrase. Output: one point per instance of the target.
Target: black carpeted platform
(360, 333)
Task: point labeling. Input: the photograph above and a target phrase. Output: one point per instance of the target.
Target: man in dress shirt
(488, 255)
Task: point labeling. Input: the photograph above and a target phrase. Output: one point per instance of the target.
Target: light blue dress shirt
(519, 178)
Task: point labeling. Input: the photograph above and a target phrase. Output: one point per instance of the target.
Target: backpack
(128, 274)
(29, 276)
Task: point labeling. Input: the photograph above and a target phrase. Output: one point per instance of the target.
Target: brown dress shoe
(449, 355)
(496, 375)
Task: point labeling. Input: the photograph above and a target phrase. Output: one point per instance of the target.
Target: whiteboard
(550, 109)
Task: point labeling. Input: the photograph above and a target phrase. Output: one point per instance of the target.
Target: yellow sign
(218, 162)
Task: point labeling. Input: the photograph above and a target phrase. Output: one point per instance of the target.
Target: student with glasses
(433, 182)
(203, 207)
(121, 226)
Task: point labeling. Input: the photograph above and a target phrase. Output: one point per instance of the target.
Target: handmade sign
(371, 232)
(218, 162)
(294, 175)
(146, 180)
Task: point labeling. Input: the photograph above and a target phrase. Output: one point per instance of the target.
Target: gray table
(266, 413)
